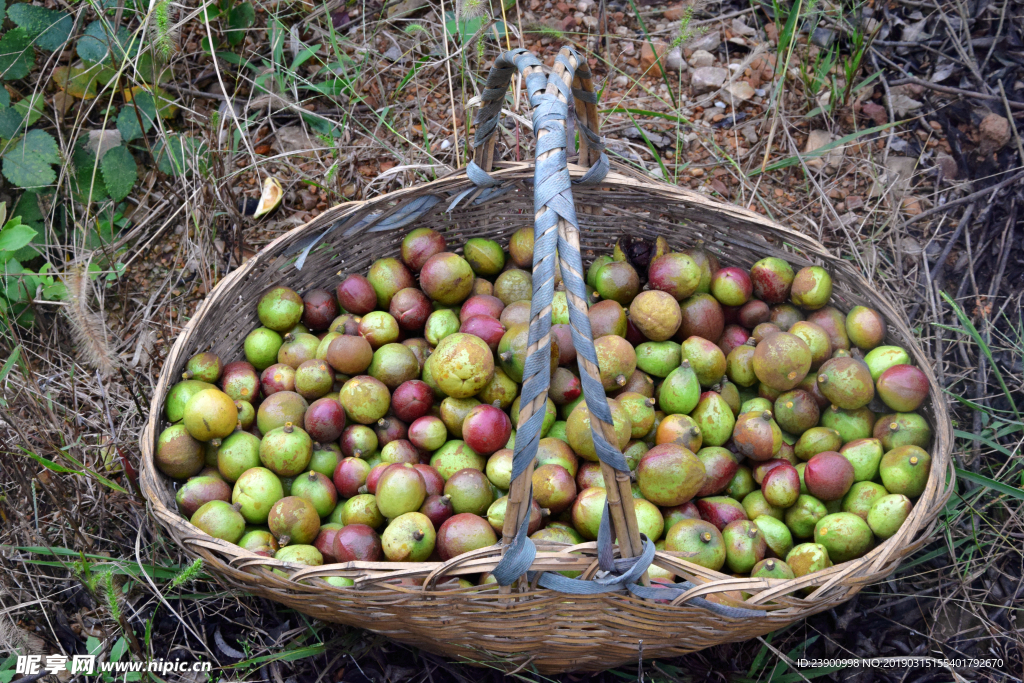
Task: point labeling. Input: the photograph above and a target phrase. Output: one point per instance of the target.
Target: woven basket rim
(883, 558)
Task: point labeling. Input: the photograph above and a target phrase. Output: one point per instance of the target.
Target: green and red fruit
(485, 327)
(315, 378)
(784, 316)
(781, 487)
(771, 279)
(278, 377)
(220, 520)
(753, 313)
(739, 366)
(358, 441)
(399, 451)
(324, 420)
(817, 341)
(720, 510)
(320, 307)
(828, 476)
(616, 360)
(834, 323)
(447, 278)
(617, 281)
(553, 488)
(676, 273)
(260, 542)
(846, 382)
(702, 316)
(294, 520)
(179, 455)
(486, 429)
(698, 542)
(681, 430)
(356, 295)
(640, 409)
(655, 314)
(357, 543)
(464, 533)
(437, 509)
(388, 276)
(239, 452)
(905, 470)
(399, 490)
(757, 436)
(409, 538)
(763, 331)
(419, 245)
(589, 475)
(733, 337)
(365, 399)
(350, 354)
(462, 365)
(557, 452)
(204, 367)
(469, 491)
(865, 455)
(796, 411)
(297, 349)
(812, 288)
(318, 490)
(350, 475)
(411, 400)
(902, 429)
(761, 469)
(744, 545)
(240, 381)
(881, 358)
(199, 491)
(903, 388)
(648, 518)
(346, 323)
(410, 308)
(817, 440)
(587, 510)
(485, 256)
(865, 327)
(607, 317)
(781, 361)
(731, 286)
(280, 309)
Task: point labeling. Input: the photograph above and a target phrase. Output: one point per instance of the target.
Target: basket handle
(556, 228)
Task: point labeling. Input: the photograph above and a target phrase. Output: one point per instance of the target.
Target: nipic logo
(86, 665)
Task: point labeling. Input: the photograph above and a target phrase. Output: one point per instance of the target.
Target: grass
(110, 282)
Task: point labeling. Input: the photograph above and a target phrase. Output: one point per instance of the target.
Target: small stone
(741, 90)
(876, 112)
(590, 22)
(627, 47)
(696, 172)
(446, 144)
(393, 54)
(896, 180)
(307, 199)
(674, 59)
(708, 78)
(676, 12)
(947, 166)
(648, 62)
(701, 58)
(831, 160)
(740, 28)
(911, 206)
(760, 92)
(709, 41)
(771, 32)
(749, 133)
(854, 202)
(902, 100)
(720, 104)
(585, 5)
(620, 81)
(823, 37)
(995, 133)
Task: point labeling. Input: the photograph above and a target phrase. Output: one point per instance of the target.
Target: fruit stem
(288, 428)
(283, 541)
(621, 380)
(383, 423)
(417, 535)
(188, 374)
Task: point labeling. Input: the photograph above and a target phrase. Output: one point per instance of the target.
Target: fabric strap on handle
(554, 223)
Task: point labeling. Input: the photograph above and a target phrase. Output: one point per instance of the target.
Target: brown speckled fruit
(865, 327)
(757, 436)
(656, 314)
(834, 323)
(616, 360)
(702, 316)
(178, 454)
(781, 361)
(670, 475)
(812, 288)
(771, 278)
(846, 382)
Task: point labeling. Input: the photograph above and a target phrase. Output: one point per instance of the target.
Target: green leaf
(179, 155)
(240, 19)
(990, 483)
(48, 28)
(87, 183)
(5, 97)
(14, 237)
(16, 55)
(31, 108)
(119, 172)
(28, 210)
(28, 163)
(821, 151)
(10, 121)
(96, 46)
(128, 124)
(60, 469)
(3, 6)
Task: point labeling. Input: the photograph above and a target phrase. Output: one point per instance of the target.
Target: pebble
(709, 41)
(831, 161)
(760, 92)
(720, 104)
(741, 90)
(708, 78)
(701, 58)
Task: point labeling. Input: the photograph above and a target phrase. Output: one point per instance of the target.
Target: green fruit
(297, 349)
(708, 264)
(210, 414)
(658, 358)
(851, 424)
(447, 278)
(440, 324)
(844, 535)
(670, 475)
(388, 276)
(616, 360)
(179, 396)
(655, 314)
(677, 274)
(680, 392)
(462, 365)
(501, 389)
(499, 469)
(200, 490)
(796, 411)
(781, 361)
(776, 534)
(220, 520)
(781, 488)
(300, 554)
(261, 347)
(803, 515)
(706, 360)
(453, 456)
(808, 558)
(597, 264)
(817, 440)
(361, 509)
(469, 490)
(577, 429)
(649, 518)
(280, 309)
(745, 545)
(453, 412)
(633, 452)
(714, 418)
(246, 414)
(393, 364)
(205, 367)
(865, 327)
(755, 505)
(865, 456)
(812, 288)
(484, 256)
(325, 458)
(557, 431)
(888, 514)
(550, 415)
(239, 452)
(817, 341)
(409, 538)
(520, 247)
(617, 281)
(514, 285)
(772, 569)
(698, 542)
(846, 382)
(400, 489)
(280, 408)
(256, 491)
(315, 378)
(861, 496)
(178, 454)
(741, 484)
(259, 541)
(905, 470)
(739, 366)
(286, 451)
(756, 405)
(318, 490)
(881, 358)
(641, 412)
(365, 399)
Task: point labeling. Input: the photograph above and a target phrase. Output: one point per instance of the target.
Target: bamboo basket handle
(556, 231)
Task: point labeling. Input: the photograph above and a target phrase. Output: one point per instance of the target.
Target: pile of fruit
(769, 434)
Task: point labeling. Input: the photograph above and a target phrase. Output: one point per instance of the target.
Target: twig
(938, 274)
(963, 200)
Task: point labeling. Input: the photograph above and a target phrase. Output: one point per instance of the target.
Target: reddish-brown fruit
(828, 476)
(356, 295)
(410, 308)
(702, 316)
(319, 309)
(357, 543)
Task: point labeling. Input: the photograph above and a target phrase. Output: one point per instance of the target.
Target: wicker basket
(533, 627)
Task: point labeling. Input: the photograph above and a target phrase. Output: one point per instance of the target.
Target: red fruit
(357, 543)
(419, 245)
(278, 377)
(486, 429)
(324, 420)
(349, 475)
(763, 468)
(828, 476)
(589, 475)
(463, 533)
(702, 317)
(781, 486)
(481, 304)
(438, 509)
(731, 286)
(731, 314)
(753, 313)
(412, 400)
(903, 388)
(400, 450)
(484, 326)
(410, 308)
(356, 295)
(319, 309)
(390, 429)
(240, 381)
(324, 542)
(563, 335)
(431, 478)
(633, 335)
(720, 510)
(375, 474)
(733, 337)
